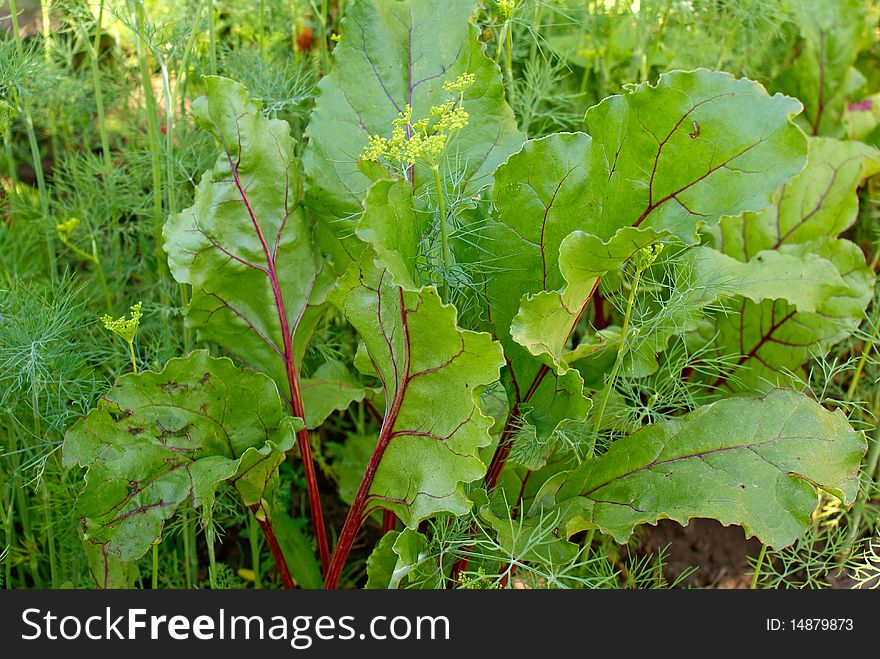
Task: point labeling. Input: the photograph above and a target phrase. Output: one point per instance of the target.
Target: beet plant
(477, 268)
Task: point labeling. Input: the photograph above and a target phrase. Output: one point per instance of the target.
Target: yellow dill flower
(647, 255)
(460, 84)
(423, 139)
(375, 149)
(506, 9)
(65, 229)
(124, 327)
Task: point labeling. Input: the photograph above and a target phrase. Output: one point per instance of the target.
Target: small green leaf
(392, 226)
(351, 463)
(108, 570)
(544, 320)
(395, 557)
(158, 439)
(753, 462)
(381, 562)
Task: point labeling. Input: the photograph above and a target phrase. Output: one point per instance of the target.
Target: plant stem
(134, 366)
(508, 68)
(50, 532)
(36, 159)
(444, 234)
(8, 528)
(10, 159)
(47, 28)
(274, 547)
(321, 16)
(389, 521)
(99, 97)
(99, 270)
(212, 558)
(254, 542)
(355, 516)
(536, 28)
(187, 549)
(357, 512)
(757, 575)
(861, 503)
(212, 43)
(866, 350)
(37, 162)
(152, 110)
(47, 509)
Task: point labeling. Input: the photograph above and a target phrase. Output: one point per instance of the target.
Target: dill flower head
(423, 139)
(66, 229)
(506, 9)
(124, 327)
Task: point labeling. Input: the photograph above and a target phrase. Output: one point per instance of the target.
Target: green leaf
(351, 463)
(747, 461)
(661, 161)
(393, 53)
(545, 320)
(821, 202)
(704, 278)
(682, 154)
(805, 280)
(823, 76)
(392, 226)
(395, 556)
(298, 549)
(769, 340)
(381, 562)
(244, 245)
(432, 374)
(107, 570)
(157, 439)
(330, 388)
(532, 538)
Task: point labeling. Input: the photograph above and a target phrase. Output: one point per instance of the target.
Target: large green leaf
(661, 160)
(770, 340)
(701, 278)
(158, 439)
(432, 374)
(395, 53)
(821, 202)
(823, 76)
(747, 461)
(244, 245)
(696, 147)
